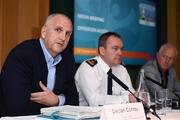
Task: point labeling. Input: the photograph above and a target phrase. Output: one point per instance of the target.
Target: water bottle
(143, 93)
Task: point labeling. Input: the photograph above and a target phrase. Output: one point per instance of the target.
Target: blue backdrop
(135, 20)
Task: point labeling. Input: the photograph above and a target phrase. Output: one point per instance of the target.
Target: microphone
(146, 107)
(117, 80)
(157, 83)
(152, 80)
(176, 94)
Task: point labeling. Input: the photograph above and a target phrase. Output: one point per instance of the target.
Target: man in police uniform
(92, 79)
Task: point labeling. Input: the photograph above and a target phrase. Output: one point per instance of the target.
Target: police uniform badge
(92, 62)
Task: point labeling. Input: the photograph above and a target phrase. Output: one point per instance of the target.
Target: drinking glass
(168, 101)
(160, 102)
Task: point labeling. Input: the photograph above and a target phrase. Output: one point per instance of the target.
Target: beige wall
(20, 20)
(173, 28)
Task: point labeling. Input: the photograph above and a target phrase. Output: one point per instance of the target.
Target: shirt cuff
(61, 99)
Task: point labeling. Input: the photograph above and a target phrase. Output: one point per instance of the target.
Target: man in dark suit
(38, 72)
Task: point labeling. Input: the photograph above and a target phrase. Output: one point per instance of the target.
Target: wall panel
(178, 38)
(20, 20)
(174, 29)
(1, 35)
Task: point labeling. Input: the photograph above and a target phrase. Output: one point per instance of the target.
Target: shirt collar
(103, 64)
(49, 59)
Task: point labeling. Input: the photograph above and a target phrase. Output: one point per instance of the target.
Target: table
(33, 117)
(172, 115)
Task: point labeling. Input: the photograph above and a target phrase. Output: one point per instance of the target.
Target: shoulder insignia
(92, 62)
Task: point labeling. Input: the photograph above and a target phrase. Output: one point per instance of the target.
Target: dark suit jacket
(24, 67)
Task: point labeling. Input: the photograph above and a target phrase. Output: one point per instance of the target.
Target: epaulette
(92, 62)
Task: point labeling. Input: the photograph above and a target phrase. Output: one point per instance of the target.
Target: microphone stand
(157, 83)
(146, 107)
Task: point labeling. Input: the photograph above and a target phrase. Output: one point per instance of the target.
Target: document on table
(75, 112)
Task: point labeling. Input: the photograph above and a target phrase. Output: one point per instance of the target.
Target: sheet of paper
(77, 112)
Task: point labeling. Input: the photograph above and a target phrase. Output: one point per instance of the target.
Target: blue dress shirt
(51, 64)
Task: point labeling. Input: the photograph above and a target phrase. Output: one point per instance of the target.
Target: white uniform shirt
(91, 82)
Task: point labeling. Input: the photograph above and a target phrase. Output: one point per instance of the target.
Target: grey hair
(53, 15)
(167, 45)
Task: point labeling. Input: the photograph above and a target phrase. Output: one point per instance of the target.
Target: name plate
(128, 111)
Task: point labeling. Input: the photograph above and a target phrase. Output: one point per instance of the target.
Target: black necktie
(164, 80)
(109, 92)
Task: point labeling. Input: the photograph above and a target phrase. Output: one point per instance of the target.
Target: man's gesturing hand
(47, 97)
